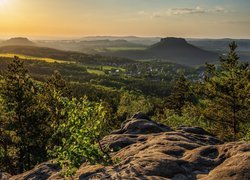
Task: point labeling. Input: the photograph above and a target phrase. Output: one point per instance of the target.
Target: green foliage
(22, 126)
(37, 117)
(226, 95)
(131, 103)
(181, 95)
(81, 132)
(171, 119)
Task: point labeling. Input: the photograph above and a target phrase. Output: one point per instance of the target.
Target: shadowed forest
(63, 109)
(115, 89)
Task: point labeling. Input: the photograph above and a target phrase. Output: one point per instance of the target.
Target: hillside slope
(38, 52)
(176, 50)
(17, 41)
(149, 150)
(45, 52)
(180, 50)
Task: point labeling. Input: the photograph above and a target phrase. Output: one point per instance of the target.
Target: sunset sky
(78, 18)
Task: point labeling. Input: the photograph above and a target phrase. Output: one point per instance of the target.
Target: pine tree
(54, 89)
(226, 93)
(181, 95)
(25, 119)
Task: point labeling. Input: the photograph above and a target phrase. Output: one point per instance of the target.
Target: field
(32, 58)
(95, 71)
(112, 67)
(114, 49)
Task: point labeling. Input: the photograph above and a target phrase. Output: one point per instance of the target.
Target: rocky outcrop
(42, 171)
(4, 176)
(144, 149)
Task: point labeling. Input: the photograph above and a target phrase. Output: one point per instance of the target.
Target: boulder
(4, 176)
(141, 124)
(42, 171)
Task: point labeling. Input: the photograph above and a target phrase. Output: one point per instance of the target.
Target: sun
(2, 2)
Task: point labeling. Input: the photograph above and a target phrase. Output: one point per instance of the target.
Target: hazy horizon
(54, 38)
(63, 19)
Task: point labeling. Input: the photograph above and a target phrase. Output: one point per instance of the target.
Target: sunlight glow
(118, 17)
(3, 3)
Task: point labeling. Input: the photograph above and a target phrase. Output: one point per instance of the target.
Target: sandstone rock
(141, 124)
(42, 171)
(144, 149)
(4, 176)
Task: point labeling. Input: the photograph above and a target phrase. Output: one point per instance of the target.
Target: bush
(81, 132)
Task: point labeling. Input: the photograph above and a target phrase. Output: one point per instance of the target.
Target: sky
(161, 18)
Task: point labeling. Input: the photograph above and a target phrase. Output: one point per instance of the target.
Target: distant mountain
(171, 49)
(104, 43)
(133, 39)
(18, 41)
(220, 45)
(179, 50)
(89, 46)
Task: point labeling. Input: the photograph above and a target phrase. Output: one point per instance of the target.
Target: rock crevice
(149, 150)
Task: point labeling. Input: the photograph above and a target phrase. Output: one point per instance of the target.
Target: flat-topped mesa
(173, 40)
(19, 41)
(170, 43)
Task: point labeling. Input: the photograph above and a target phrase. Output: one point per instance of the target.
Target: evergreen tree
(54, 89)
(226, 94)
(23, 126)
(181, 95)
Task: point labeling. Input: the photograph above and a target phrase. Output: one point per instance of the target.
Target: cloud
(182, 11)
(142, 13)
(219, 9)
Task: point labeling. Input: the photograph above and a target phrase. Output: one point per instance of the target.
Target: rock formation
(18, 41)
(171, 49)
(180, 51)
(144, 149)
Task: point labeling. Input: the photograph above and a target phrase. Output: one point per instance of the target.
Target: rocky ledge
(145, 149)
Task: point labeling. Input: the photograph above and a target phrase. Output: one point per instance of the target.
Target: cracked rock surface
(145, 149)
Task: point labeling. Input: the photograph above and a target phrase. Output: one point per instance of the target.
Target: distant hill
(220, 45)
(18, 41)
(89, 46)
(178, 49)
(45, 52)
(132, 39)
(37, 52)
(171, 49)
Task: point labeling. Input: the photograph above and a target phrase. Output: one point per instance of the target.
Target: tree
(24, 123)
(81, 133)
(131, 103)
(226, 95)
(55, 88)
(181, 95)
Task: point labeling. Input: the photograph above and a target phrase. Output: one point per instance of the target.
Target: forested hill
(20, 41)
(45, 52)
(180, 51)
(176, 50)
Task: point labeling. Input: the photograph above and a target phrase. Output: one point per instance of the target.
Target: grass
(95, 71)
(32, 58)
(113, 67)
